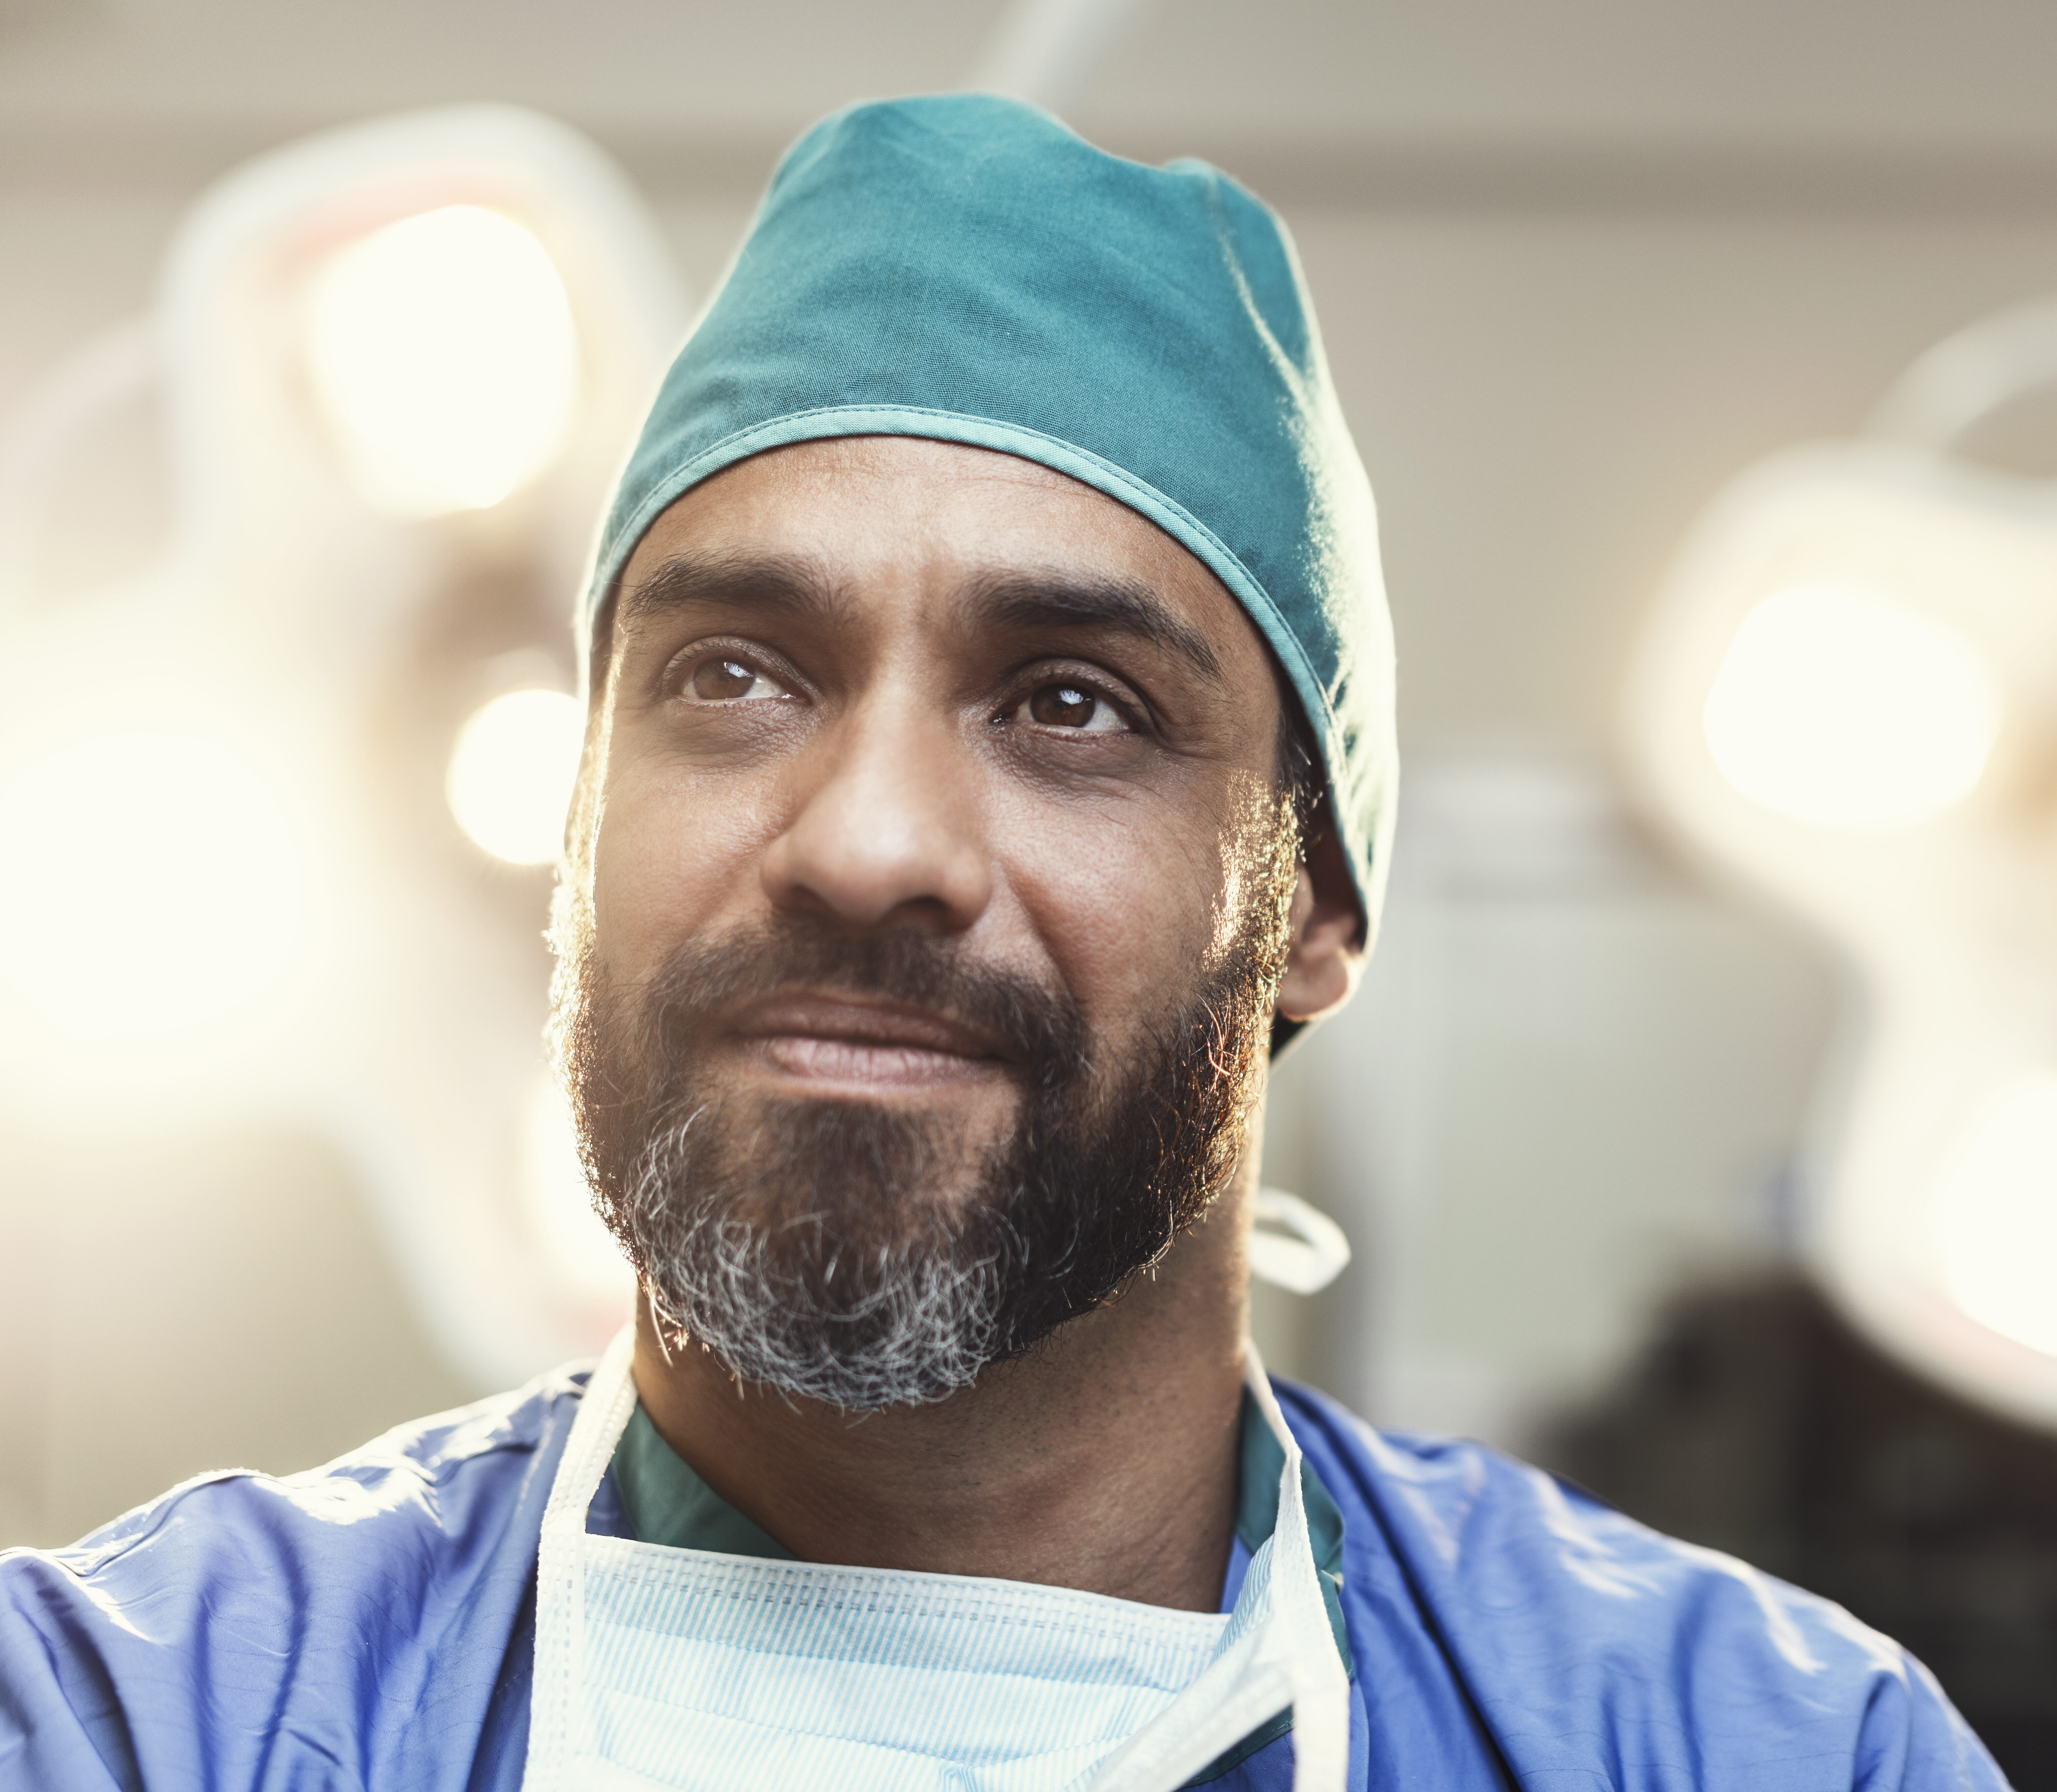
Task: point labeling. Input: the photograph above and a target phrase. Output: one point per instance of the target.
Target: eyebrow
(801, 588)
(780, 584)
(1068, 600)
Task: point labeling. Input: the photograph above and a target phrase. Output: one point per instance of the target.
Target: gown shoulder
(314, 1629)
(1588, 1649)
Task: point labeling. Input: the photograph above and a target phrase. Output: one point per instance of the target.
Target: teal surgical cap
(966, 269)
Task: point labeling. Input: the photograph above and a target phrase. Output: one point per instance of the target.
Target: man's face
(938, 890)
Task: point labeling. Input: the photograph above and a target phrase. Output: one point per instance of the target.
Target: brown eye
(720, 680)
(1068, 706)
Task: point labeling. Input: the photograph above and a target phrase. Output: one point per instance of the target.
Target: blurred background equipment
(286, 706)
(1847, 698)
(276, 803)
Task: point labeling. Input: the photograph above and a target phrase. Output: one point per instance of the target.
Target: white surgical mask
(700, 1672)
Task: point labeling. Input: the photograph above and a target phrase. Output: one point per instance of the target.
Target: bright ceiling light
(442, 349)
(156, 890)
(511, 772)
(1997, 1214)
(1846, 709)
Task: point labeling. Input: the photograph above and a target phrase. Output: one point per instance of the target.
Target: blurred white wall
(1575, 265)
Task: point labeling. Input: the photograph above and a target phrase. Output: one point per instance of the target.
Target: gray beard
(868, 1258)
(807, 1306)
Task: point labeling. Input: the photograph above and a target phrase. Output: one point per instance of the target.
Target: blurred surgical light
(443, 351)
(1831, 658)
(511, 772)
(215, 906)
(1844, 709)
(159, 892)
(1997, 1215)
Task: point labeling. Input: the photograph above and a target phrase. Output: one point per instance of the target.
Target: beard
(868, 1256)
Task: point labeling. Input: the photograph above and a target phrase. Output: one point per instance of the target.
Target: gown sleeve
(347, 1628)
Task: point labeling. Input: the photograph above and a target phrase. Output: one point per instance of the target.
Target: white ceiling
(1957, 74)
(1762, 99)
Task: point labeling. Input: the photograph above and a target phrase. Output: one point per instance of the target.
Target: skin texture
(834, 685)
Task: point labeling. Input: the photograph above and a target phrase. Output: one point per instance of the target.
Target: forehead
(901, 515)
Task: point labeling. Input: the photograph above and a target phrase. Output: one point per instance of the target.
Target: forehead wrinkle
(1027, 600)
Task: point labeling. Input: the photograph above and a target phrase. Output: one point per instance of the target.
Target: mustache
(1040, 1029)
(869, 1256)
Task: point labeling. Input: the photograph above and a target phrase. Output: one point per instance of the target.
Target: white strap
(1241, 1691)
(1288, 1658)
(1321, 1688)
(1307, 1255)
(603, 1416)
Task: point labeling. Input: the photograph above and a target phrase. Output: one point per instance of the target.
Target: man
(990, 763)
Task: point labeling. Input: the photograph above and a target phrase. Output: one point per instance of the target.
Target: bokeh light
(1997, 1211)
(511, 772)
(155, 888)
(1849, 709)
(443, 351)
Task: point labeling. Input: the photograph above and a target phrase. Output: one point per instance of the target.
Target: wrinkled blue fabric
(369, 1624)
(965, 268)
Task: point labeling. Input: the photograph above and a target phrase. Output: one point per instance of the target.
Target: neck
(1104, 1459)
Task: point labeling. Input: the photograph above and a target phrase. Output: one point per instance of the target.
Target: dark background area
(1758, 1423)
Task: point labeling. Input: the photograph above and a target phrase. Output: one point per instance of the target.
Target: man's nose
(885, 826)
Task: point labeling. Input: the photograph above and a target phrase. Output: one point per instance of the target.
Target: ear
(1327, 952)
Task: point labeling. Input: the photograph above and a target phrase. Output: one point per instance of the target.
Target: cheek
(674, 856)
(1256, 862)
(1132, 903)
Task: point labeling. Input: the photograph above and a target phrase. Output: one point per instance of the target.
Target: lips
(827, 1038)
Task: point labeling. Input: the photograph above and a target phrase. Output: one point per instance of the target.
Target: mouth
(865, 1046)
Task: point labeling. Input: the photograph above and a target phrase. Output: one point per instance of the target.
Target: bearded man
(990, 765)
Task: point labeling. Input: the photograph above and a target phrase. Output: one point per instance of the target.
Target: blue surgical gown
(369, 1623)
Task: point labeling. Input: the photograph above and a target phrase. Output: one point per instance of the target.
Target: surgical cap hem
(830, 421)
